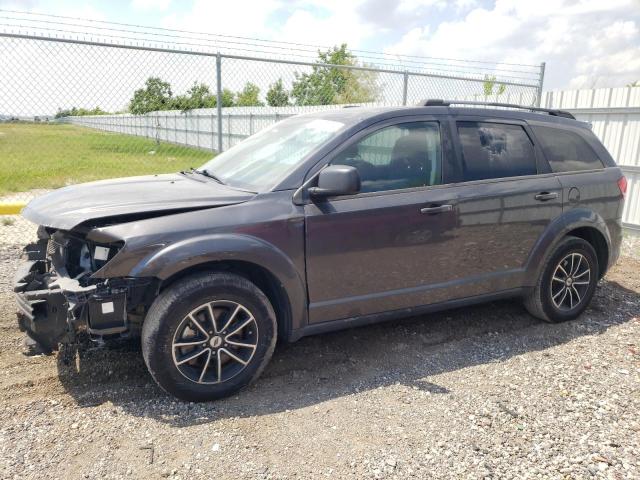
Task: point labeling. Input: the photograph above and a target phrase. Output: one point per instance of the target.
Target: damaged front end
(58, 295)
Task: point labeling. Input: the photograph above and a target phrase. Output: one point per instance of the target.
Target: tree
(330, 85)
(198, 96)
(79, 112)
(62, 113)
(227, 98)
(249, 96)
(156, 95)
(277, 96)
(489, 83)
(634, 84)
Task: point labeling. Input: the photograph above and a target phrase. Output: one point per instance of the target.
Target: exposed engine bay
(58, 296)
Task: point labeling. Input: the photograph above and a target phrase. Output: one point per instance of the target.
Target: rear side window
(495, 150)
(566, 151)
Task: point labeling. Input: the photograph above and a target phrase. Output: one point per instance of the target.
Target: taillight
(622, 185)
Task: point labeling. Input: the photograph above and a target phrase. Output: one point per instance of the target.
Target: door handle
(437, 209)
(544, 196)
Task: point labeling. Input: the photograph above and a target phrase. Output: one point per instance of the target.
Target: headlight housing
(75, 255)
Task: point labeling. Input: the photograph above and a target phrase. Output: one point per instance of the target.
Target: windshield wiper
(207, 174)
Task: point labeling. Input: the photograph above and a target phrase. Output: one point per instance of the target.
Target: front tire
(208, 336)
(567, 283)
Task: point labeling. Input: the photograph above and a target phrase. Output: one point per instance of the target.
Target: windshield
(262, 160)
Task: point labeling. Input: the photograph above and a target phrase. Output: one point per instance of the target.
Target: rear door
(506, 199)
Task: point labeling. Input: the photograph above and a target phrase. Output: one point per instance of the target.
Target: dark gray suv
(320, 222)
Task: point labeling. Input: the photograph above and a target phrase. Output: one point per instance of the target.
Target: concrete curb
(11, 208)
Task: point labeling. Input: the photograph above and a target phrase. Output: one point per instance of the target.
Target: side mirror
(336, 180)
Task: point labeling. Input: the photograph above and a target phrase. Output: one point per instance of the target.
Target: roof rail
(434, 102)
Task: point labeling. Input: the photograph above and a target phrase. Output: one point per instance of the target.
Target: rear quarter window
(566, 151)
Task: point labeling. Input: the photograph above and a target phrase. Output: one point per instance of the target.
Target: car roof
(354, 114)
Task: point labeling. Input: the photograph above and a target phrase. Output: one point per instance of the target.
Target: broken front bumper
(42, 310)
(52, 308)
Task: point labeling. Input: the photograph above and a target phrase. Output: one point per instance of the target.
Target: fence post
(539, 101)
(213, 133)
(188, 120)
(219, 99)
(405, 85)
(198, 130)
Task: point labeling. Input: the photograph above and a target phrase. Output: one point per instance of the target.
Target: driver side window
(405, 155)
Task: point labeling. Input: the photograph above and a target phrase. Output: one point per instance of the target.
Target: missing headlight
(73, 255)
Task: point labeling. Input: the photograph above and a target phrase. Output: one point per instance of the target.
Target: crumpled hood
(68, 207)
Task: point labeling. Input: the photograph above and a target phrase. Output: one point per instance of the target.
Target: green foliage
(323, 86)
(249, 96)
(78, 112)
(277, 96)
(156, 95)
(227, 97)
(634, 84)
(330, 85)
(198, 96)
(490, 83)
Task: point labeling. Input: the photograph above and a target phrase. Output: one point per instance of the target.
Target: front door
(383, 248)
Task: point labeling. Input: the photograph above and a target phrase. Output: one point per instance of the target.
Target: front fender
(179, 256)
(557, 229)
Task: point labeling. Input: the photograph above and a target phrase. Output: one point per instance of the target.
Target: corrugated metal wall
(615, 116)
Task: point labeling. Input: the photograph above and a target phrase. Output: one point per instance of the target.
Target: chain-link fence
(78, 110)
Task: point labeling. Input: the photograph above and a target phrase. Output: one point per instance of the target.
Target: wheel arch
(262, 278)
(258, 261)
(599, 243)
(579, 222)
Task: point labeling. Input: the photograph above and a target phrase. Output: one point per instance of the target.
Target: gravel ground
(631, 244)
(476, 392)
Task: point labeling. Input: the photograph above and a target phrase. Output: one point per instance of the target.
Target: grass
(44, 156)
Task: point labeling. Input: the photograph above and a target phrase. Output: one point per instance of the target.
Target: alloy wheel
(215, 342)
(570, 281)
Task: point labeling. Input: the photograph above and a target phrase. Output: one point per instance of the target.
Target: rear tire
(567, 282)
(208, 336)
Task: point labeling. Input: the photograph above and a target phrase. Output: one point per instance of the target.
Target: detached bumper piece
(53, 308)
(42, 312)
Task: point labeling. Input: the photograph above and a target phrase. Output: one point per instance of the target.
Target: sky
(585, 43)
